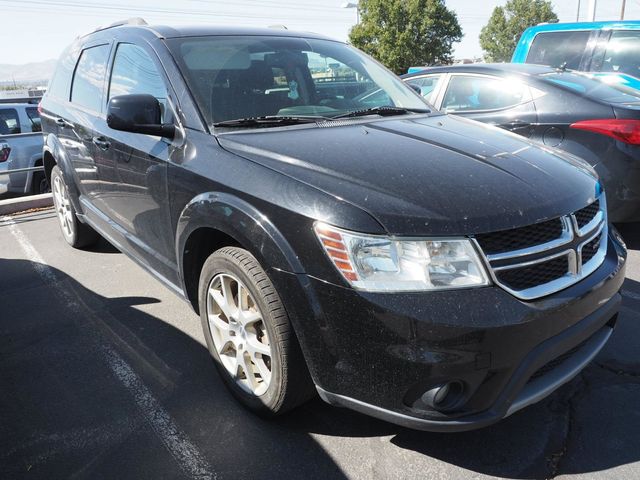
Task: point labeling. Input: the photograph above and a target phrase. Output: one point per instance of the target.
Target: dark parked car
(422, 268)
(575, 112)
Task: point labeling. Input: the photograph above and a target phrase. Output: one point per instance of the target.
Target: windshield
(607, 89)
(234, 77)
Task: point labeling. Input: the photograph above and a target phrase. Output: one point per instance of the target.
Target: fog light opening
(445, 396)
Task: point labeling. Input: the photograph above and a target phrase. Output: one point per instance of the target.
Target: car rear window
(623, 53)
(558, 48)
(589, 85)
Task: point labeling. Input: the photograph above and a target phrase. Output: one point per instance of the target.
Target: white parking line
(175, 440)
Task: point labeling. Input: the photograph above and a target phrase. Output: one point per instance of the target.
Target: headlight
(382, 264)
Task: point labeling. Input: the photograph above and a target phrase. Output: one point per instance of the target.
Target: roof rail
(120, 23)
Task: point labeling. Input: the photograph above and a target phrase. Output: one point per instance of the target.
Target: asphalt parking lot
(104, 373)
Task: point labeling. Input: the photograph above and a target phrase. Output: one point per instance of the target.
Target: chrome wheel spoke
(255, 347)
(238, 333)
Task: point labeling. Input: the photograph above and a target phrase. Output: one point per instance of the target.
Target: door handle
(101, 143)
(61, 122)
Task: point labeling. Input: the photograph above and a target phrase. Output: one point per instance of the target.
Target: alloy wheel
(63, 206)
(239, 334)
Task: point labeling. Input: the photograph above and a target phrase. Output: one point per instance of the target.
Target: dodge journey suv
(425, 269)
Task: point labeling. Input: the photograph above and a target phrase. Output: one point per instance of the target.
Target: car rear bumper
(381, 353)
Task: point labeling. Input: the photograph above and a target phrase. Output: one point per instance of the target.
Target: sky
(36, 30)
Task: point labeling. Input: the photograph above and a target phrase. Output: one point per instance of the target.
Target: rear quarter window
(558, 48)
(61, 79)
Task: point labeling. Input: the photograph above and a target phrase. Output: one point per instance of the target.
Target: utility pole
(592, 10)
(624, 5)
(578, 14)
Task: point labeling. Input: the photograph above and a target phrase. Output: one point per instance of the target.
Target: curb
(20, 204)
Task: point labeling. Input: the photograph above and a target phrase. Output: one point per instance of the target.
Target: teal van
(610, 50)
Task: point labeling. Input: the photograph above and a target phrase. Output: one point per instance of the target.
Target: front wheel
(249, 334)
(76, 233)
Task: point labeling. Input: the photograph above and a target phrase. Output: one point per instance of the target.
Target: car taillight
(627, 131)
(4, 154)
(40, 108)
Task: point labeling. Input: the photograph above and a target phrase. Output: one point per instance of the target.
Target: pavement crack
(555, 458)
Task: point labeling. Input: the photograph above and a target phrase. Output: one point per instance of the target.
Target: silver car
(21, 133)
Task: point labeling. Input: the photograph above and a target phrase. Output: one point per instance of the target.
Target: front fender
(242, 221)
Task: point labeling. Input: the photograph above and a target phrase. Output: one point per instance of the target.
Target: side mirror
(139, 113)
(415, 88)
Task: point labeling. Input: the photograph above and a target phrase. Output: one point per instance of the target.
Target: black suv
(425, 269)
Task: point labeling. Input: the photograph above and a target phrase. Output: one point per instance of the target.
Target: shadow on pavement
(64, 413)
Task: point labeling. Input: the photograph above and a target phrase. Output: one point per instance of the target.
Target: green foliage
(402, 33)
(500, 35)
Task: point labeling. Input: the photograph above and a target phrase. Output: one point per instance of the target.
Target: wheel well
(49, 162)
(199, 246)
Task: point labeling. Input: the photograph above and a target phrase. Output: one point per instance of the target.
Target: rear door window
(559, 48)
(88, 79)
(481, 93)
(34, 118)
(622, 54)
(9, 121)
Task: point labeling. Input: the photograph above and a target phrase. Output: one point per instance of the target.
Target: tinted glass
(61, 80)
(134, 72)
(558, 48)
(427, 85)
(9, 121)
(34, 117)
(588, 85)
(473, 93)
(623, 53)
(239, 77)
(88, 81)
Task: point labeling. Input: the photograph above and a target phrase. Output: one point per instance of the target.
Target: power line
(142, 10)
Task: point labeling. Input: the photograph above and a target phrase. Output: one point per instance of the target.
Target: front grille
(519, 238)
(533, 275)
(590, 249)
(588, 213)
(540, 259)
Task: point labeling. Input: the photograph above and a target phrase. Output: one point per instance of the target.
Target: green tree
(500, 35)
(402, 33)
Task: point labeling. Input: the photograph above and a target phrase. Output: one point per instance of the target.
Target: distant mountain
(27, 73)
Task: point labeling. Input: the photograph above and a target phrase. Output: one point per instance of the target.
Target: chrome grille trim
(569, 244)
(566, 237)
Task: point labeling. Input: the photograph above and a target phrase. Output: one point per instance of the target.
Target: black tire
(290, 384)
(39, 183)
(75, 233)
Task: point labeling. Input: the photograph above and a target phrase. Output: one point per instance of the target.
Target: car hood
(426, 175)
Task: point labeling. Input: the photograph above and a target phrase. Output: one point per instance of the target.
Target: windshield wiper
(269, 120)
(383, 111)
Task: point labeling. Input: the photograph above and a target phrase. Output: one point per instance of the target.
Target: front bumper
(378, 353)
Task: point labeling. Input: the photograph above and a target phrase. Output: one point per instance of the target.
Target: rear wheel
(76, 233)
(39, 184)
(249, 334)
